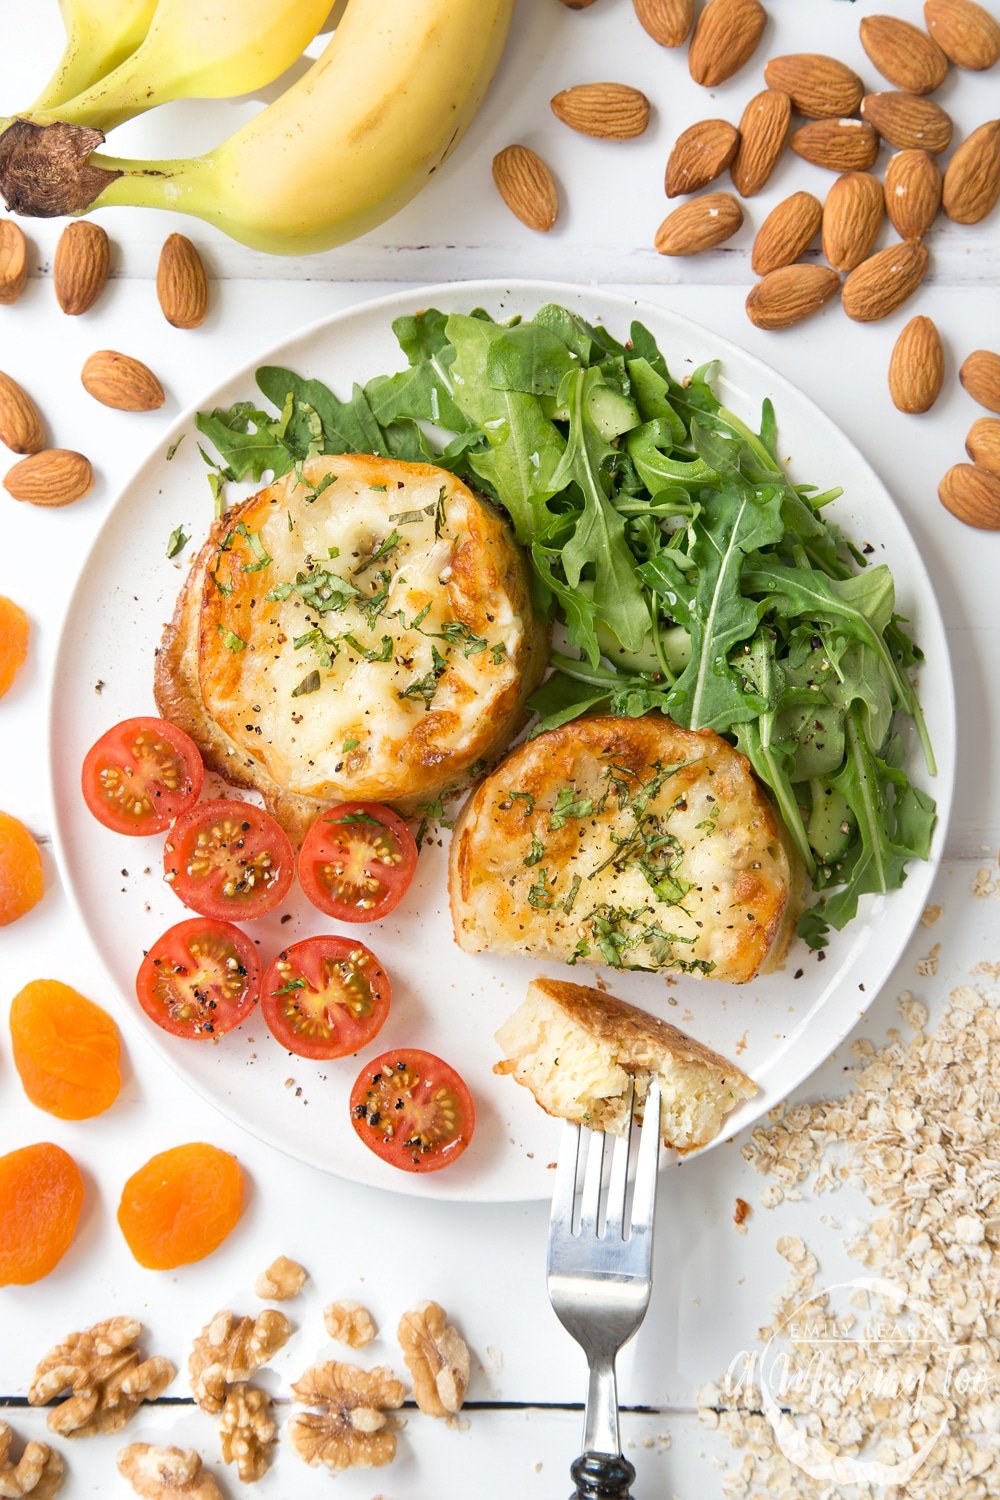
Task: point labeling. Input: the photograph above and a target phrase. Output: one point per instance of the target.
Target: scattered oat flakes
(927, 967)
(931, 914)
(740, 1215)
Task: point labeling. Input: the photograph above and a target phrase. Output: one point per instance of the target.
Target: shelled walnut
(283, 1279)
(38, 1472)
(349, 1323)
(232, 1348)
(352, 1430)
(247, 1431)
(106, 1374)
(166, 1473)
(437, 1358)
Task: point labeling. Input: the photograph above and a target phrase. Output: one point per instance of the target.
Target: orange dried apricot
(22, 884)
(180, 1206)
(41, 1193)
(14, 632)
(66, 1050)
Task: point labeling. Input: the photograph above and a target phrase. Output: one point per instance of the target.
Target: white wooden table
(484, 1263)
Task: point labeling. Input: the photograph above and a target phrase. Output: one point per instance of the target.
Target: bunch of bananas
(350, 142)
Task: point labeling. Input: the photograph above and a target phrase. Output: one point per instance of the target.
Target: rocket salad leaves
(688, 573)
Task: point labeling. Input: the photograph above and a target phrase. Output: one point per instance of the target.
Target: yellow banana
(197, 49)
(100, 34)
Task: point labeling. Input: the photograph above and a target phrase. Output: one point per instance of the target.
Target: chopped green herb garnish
(539, 895)
(177, 541)
(425, 687)
(233, 642)
(322, 591)
(389, 544)
(349, 744)
(525, 797)
(536, 852)
(174, 447)
(293, 984)
(570, 900)
(569, 805)
(309, 684)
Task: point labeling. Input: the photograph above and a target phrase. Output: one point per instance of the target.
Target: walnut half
(166, 1473)
(437, 1358)
(283, 1279)
(231, 1348)
(353, 1430)
(247, 1431)
(38, 1472)
(104, 1371)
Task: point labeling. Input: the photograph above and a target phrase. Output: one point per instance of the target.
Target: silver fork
(599, 1277)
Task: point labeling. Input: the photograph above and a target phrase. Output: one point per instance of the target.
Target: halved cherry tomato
(413, 1110)
(357, 861)
(141, 775)
(325, 997)
(200, 979)
(229, 860)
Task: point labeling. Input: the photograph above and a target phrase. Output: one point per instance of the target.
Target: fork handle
(602, 1476)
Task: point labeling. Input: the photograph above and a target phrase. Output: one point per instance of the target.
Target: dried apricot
(14, 632)
(41, 1193)
(21, 882)
(180, 1206)
(66, 1050)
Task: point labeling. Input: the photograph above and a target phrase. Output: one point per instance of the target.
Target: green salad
(689, 574)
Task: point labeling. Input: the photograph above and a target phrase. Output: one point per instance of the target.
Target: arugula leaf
(246, 440)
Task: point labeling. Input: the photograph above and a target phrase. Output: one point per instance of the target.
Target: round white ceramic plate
(778, 1028)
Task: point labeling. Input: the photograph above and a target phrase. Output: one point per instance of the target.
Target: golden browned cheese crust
(630, 842)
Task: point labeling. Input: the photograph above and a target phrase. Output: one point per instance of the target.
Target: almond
(786, 232)
(973, 495)
(701, 153)
(904, 54)
(967, 35)
(699, 224)
(972, 177)
(81, 266)
(527, 187)
(763, 129)
(611, 111)
(791, 293)
(56, 476)
(725, 38)
(916, 367)
(21, 426)
(980, 374)
(838, 145)
(817, 85)
(908, 122)
(983, 444)
(667, 21)
(884, 281)
(912, 193)
(852, 217)
(13, 261)
(122, 382)
(181, 283)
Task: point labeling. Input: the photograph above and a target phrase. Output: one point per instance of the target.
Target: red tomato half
(413, 1110)
(229, 860)
(357, 861)
(141, 775)
(200, 979)
(325, 997)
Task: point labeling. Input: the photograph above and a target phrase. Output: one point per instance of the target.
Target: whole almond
(763, 129)
(884, 281)
(21, 428)
(701, 153)
(181, 283)
(912, 193)
(980, 374)
(789, 294)
(699, 224)
(966, 33)
(725, 38)
(786, 232)
(904, 54)
(13, 261)
(973, 495)
(983, 444)
(81, 266)
(838, 145)
(908, 122)
(817, 85)
(852, 217)
(916, 367)
(527, 187)
(667, 21)
(55, 476)
(972, 177)
(122, 382)
(610, 111)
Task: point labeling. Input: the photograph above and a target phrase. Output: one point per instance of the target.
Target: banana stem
(149, 184)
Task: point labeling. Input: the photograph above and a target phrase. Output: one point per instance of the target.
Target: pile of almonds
(842, 132)
(58, 476)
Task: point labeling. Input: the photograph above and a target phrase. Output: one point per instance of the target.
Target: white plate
(778, 1028)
